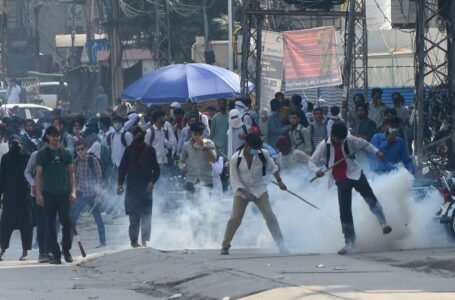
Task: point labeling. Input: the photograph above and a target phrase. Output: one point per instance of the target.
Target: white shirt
(217, 169)
(117, 147)
(4, 112)
(13, 94)
(293, 160)
(353, 170)
(234, 141)
(250, 179)
(159, 143)
(4, 148)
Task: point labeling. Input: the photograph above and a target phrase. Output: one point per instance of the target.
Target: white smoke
(200, 223)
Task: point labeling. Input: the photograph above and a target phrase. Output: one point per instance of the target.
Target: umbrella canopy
(183, 81)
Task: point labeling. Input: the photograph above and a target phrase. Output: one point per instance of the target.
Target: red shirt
(339, 171)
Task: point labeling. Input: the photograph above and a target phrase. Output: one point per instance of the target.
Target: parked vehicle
(446, 186)
(49, 91)
(29, 111)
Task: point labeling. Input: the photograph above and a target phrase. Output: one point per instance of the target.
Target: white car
(48, 92)
(29, 111)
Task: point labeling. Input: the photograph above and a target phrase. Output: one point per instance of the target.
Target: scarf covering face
(233, 121)
(142, 147)
(240, 106)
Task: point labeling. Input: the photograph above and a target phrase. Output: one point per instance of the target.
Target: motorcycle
(446, 186)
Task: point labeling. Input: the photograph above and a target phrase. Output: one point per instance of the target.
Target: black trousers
(58, 204)
(26, 237)
(345, 202)
(142, 221)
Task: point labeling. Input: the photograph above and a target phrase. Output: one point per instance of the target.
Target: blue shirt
(275, 129)
(394, 153)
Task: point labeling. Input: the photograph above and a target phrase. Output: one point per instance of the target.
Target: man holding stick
(337, 153)
(248, 166)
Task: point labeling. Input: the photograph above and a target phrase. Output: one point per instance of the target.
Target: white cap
(175, 105)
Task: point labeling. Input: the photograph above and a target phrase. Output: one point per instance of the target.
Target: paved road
(249, 273)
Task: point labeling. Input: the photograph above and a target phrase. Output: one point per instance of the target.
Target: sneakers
(144, 244)
(23, 258)
(55, 261)
(68, 257)
(101, 245)
(386, 229)
(346, 250)
(136, 245)
(43, 258)
(225, 251)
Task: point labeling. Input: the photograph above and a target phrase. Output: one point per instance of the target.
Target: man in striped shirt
(88, 188)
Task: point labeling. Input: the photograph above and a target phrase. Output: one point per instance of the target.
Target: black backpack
(261, 157)
(346, 151)
(110, 138)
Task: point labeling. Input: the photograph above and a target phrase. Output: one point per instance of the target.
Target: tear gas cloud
(200, 223)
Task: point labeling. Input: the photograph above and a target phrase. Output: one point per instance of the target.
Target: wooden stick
(338, 162)
(309, 203)
(295, 195)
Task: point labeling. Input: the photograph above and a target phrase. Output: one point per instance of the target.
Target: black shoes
(225, 251)
(68, 257)
(55, 261)
(386, 229)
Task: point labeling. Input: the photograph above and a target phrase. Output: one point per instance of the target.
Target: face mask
(46, 125)
(393, 131)
(254, 152)
(118, 126)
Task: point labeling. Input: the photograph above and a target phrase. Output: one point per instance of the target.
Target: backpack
(261, 157)
(253, 123)
(110, 138)
(301, 138)
(105, 159)
(346, 151)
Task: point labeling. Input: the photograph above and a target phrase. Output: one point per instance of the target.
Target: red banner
(310, 58)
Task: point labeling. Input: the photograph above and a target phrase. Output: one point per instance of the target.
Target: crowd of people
(53, 169)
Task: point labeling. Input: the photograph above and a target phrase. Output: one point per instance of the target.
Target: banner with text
(272, 66)
(310, 59)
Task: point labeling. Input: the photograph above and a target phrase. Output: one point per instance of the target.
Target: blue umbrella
(181, 82)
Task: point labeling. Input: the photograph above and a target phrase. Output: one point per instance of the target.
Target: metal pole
(348, 57)
(230, 50)
(420, 81)
(451, 61)
(245, 49)
(259, 21)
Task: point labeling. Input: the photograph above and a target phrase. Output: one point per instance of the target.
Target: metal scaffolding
(435, 68)
(162, 40)
(355, 68)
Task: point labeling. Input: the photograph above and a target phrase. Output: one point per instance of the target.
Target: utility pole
(115, 53)
(36, 11)
(230, 24)
(162, 39)
(451, 61)
(348, 57)
(420, 80)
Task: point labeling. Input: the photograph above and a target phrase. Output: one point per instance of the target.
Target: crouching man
(248, 166)
(338, 152)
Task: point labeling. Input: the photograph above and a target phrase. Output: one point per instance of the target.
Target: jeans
(143, 222)
(238, 210)
(41, 227)
(58, 204)
(77, 208)
(345, 201)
